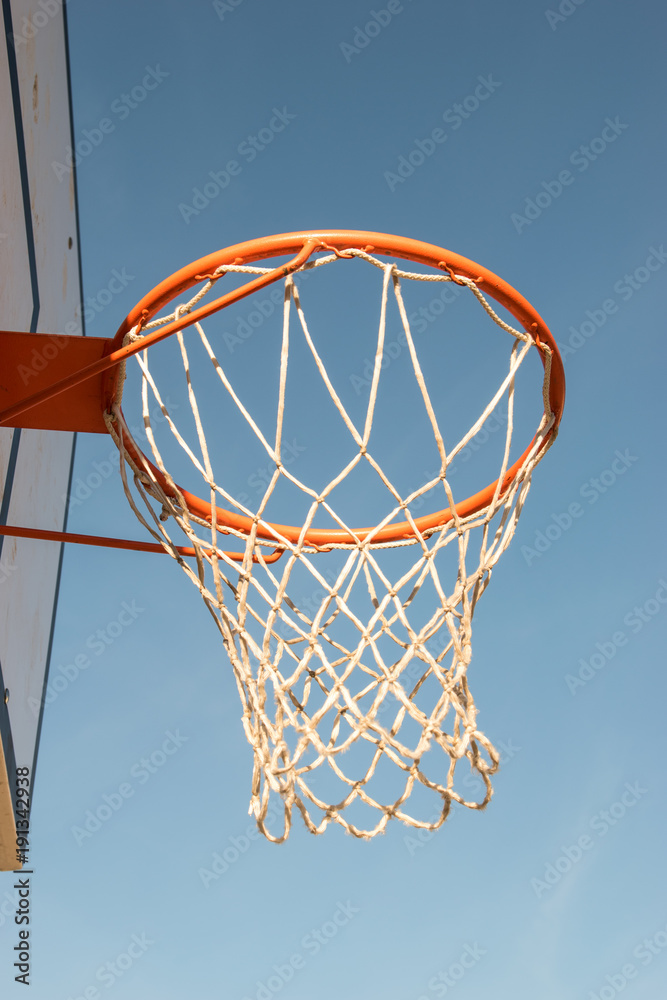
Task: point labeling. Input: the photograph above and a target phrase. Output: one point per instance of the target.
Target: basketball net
(318, 682)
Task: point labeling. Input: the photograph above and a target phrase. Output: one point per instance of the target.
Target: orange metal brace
(119, 543)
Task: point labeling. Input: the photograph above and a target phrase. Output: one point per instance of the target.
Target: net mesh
(371, 668)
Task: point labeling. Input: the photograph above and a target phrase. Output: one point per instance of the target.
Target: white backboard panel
(40, 291)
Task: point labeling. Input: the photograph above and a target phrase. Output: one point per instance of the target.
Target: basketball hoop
(309, 696)
(325, 685)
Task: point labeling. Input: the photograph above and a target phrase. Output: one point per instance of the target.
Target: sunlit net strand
(312, 654)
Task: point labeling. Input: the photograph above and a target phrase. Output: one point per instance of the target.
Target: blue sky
(551, 174)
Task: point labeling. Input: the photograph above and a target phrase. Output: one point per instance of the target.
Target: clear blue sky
(552, 176)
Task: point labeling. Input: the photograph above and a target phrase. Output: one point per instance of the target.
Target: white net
(355, 699)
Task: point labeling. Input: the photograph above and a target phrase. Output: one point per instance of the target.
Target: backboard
(40, 291)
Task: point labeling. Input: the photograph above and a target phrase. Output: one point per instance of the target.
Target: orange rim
(303, 245)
